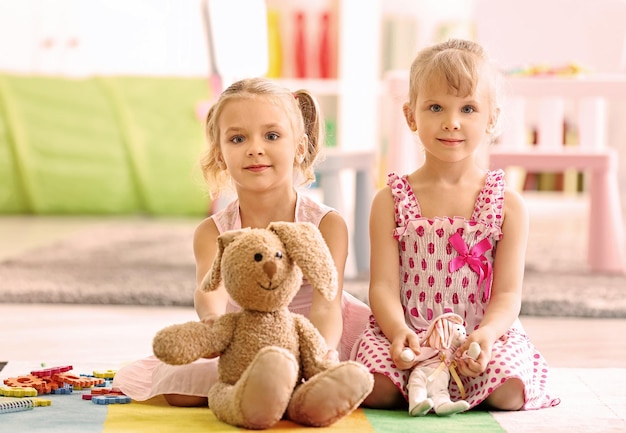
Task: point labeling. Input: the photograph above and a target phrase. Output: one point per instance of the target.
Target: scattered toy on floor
(19, 392)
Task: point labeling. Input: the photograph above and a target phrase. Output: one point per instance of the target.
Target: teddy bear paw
(330, 395)
(266, 387)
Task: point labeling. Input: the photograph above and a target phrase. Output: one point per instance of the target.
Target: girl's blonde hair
(304, 115)
(461, 64)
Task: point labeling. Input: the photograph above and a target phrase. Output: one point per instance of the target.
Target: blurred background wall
(101, 100)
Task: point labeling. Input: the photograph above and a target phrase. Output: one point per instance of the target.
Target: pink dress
(148, 377)
(446, 266)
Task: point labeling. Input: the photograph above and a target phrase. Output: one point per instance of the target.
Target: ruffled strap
(228, 218)
(490, 201)
(407, 207)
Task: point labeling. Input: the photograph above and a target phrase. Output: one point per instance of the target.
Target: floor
(118, 334)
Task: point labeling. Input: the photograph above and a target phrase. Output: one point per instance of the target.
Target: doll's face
(459, 335)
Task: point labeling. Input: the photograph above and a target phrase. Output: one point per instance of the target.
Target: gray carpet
(141, 262)
(150, 262)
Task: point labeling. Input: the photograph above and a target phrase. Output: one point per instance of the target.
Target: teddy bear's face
(258, 272)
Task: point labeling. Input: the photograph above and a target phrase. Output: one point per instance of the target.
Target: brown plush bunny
(271, 360)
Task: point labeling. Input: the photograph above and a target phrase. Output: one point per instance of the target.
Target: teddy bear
(428, 381)
(272, 362)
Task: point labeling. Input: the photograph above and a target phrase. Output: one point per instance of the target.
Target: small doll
(429, 379)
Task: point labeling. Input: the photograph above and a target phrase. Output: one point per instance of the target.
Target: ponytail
(314, 130)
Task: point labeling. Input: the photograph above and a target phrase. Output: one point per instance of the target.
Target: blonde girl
(263, 142)
(451, 238)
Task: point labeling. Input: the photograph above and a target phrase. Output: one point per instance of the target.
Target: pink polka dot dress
(446, 266)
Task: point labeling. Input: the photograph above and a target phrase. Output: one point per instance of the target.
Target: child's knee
(384, 395)
(509, 396)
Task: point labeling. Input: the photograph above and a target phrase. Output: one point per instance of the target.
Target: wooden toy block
(77, 381)
(41, 402)
(17, 391)
(103, 392)
(105, 374)
(43, 385)
(110, 399)
(49, 372)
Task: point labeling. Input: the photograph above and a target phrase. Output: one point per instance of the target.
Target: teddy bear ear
(306, 246)
(212, 278)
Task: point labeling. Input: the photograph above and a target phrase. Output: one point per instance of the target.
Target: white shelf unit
(347, 175)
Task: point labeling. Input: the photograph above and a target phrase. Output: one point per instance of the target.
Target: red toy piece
(49, 372)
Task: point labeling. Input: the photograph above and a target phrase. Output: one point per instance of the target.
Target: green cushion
(12, 194)
(102, 145)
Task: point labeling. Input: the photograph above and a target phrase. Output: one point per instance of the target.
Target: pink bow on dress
(475, 259)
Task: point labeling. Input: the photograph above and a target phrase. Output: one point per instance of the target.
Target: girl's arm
(506, 293)
(208, 305)
(326, 315)
(384, 290)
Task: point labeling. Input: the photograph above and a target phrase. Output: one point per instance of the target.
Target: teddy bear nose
(269, 268)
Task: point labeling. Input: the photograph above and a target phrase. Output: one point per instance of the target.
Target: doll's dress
(446, 266)
(149, 377)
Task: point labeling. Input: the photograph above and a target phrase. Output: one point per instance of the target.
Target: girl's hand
(467, 366)
(209, 319)
(332, 356)
(407, 340)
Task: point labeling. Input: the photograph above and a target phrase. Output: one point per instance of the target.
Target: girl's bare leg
(385, 394)
(186, 400)
(509, 396)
